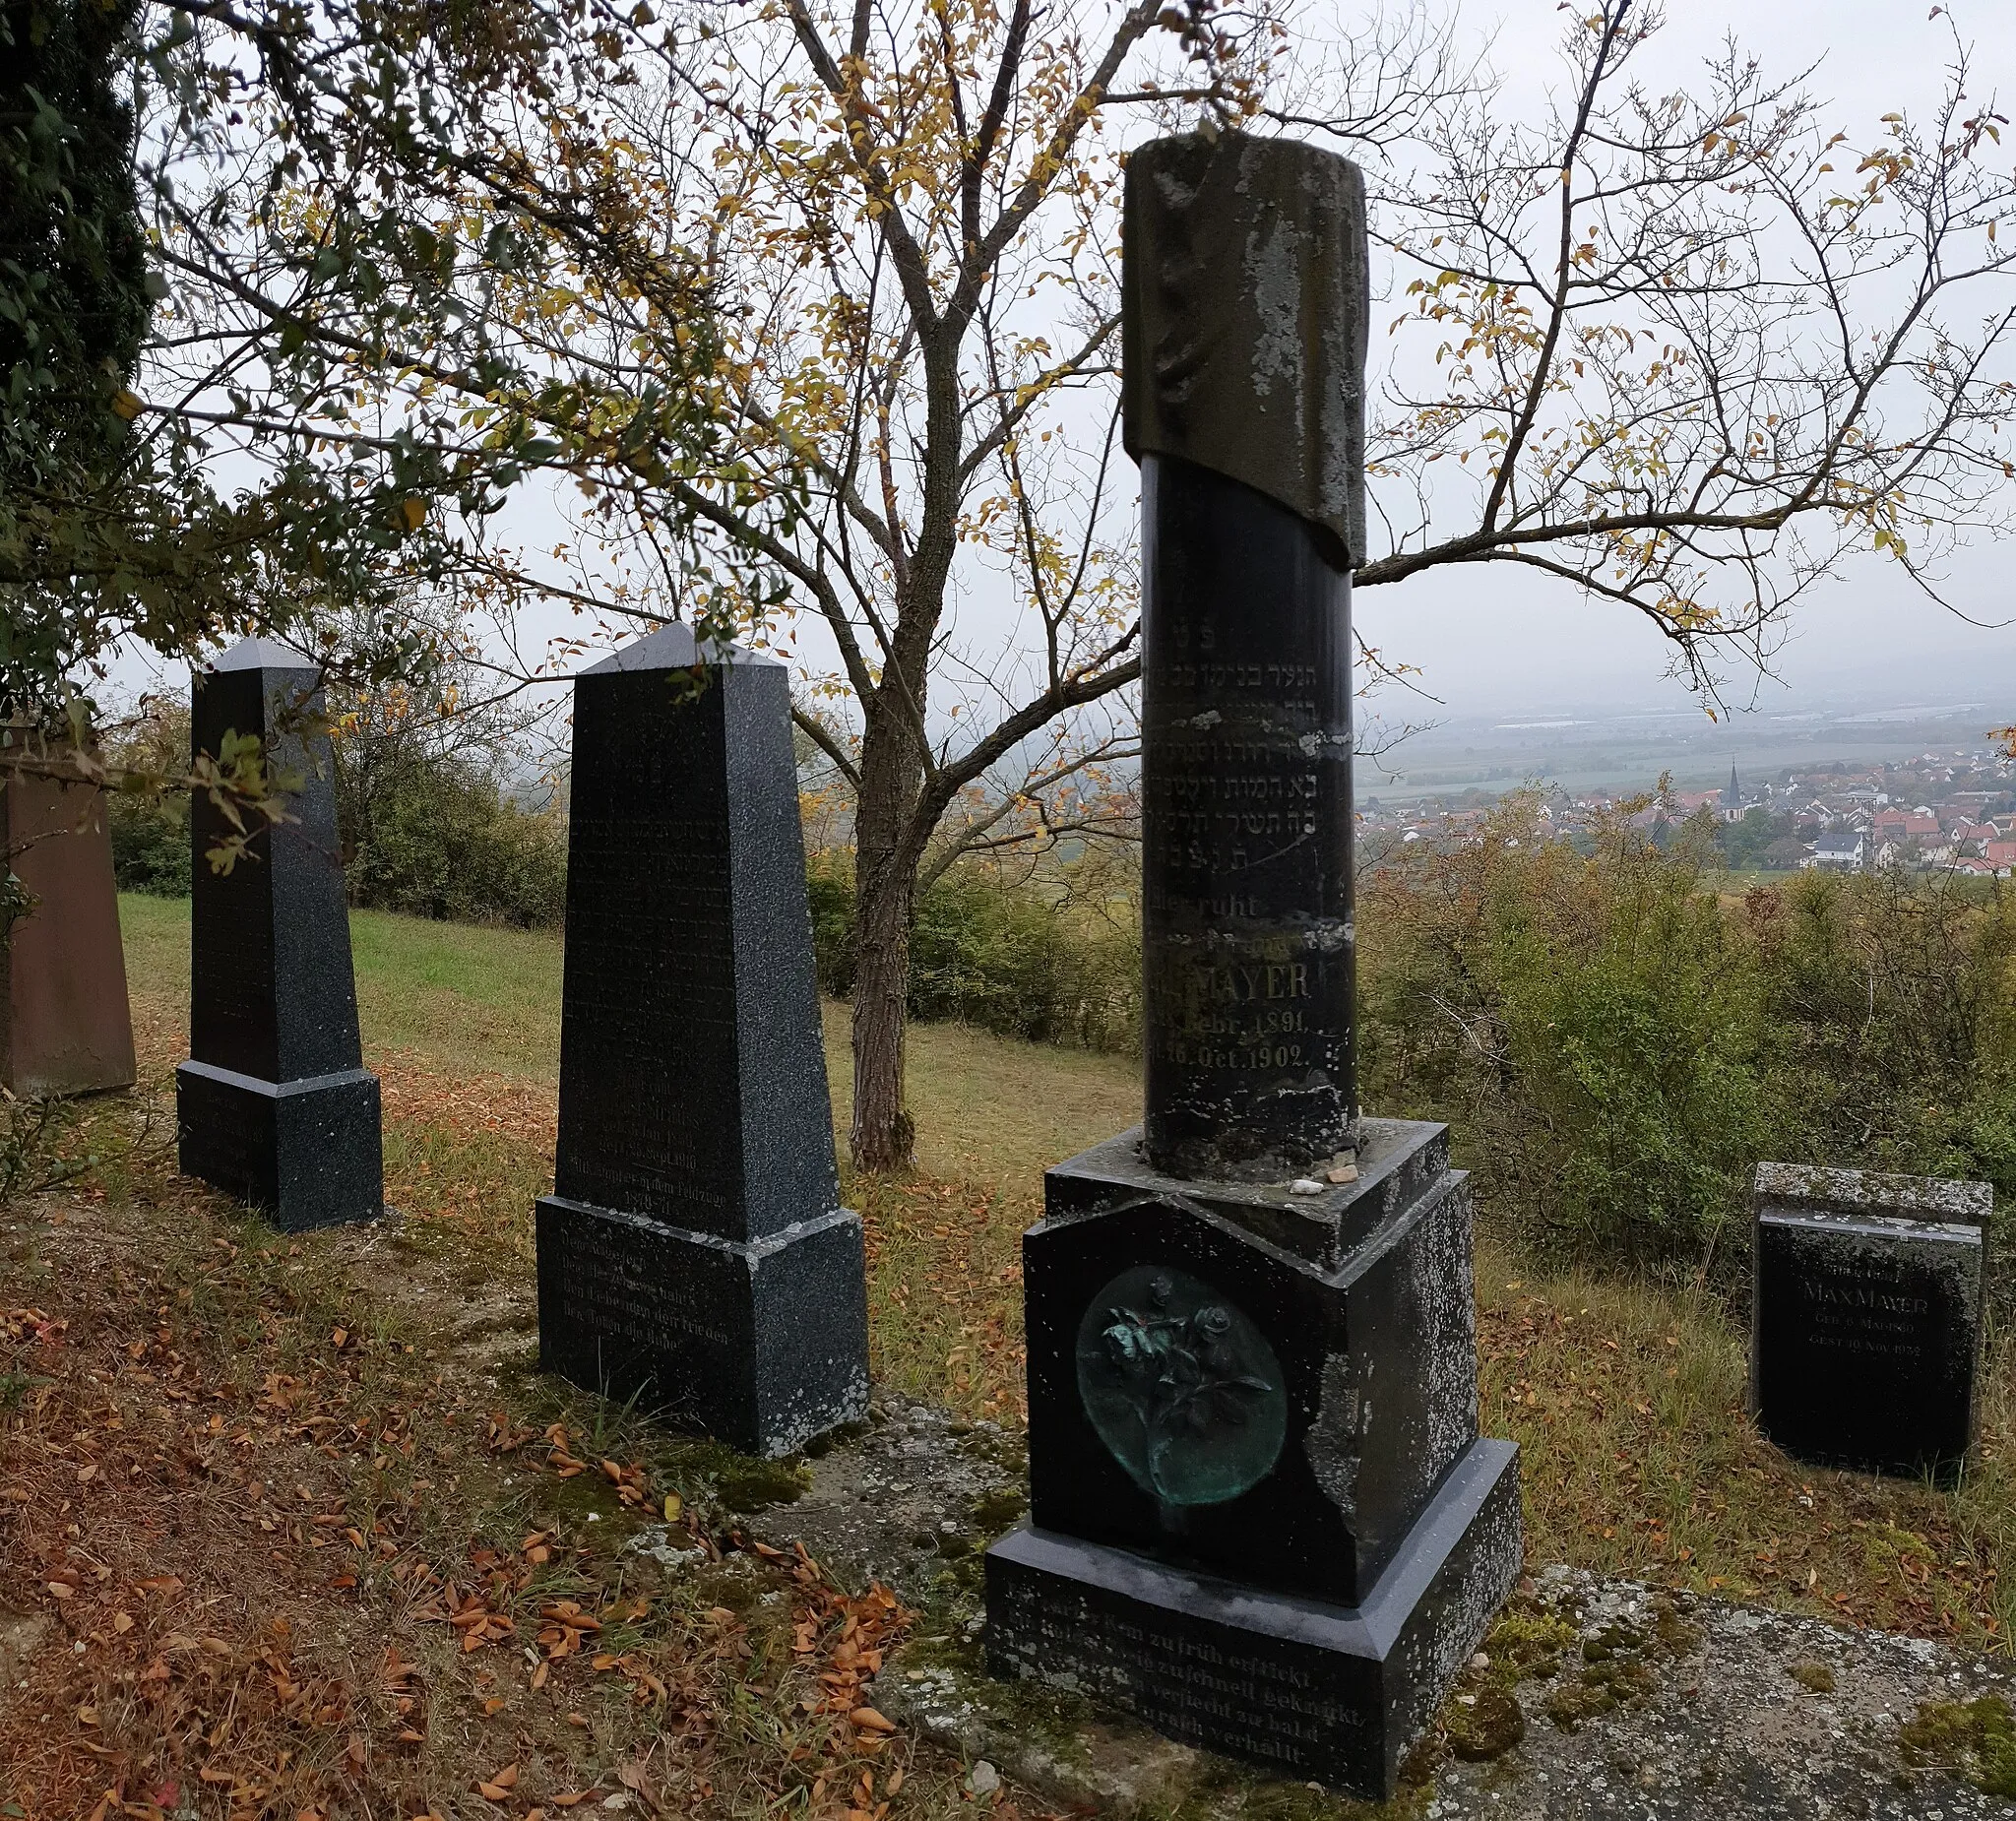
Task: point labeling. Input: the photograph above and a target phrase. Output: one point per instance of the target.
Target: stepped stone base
(304, 1152)
(1314, 1691)
(757, 1343)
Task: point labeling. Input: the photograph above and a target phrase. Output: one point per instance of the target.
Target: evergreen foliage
(74, 302)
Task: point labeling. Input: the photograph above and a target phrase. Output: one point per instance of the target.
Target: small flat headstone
(1866, 1325)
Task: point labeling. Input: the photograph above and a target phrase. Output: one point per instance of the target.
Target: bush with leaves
(1618, 1040)
(1020, 958)
(148, 825)
(1584, 1022)
(447, 842)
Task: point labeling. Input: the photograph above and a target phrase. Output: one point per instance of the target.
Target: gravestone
(1865, 1317)
(694, 1254)
(65, 1026)
(275, 1106)
(1261, 1515)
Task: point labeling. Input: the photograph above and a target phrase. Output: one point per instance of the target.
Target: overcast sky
(1489, 639)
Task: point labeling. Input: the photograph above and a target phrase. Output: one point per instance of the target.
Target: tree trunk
(885, 876)
(883, 1130)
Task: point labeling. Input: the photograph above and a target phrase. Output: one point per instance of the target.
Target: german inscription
(1246, 769)
(1866, 1339)
(1262, 1702)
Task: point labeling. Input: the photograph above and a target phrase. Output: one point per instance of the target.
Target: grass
(282, 1486)
(1627, 1400)
(462, 1026)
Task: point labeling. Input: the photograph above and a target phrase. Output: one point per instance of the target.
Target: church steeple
(1732, 800)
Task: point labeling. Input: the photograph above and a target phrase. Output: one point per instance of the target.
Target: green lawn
(1627, 1400)
(466, 1001)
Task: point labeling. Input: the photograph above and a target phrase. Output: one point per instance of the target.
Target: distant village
(1951, 812)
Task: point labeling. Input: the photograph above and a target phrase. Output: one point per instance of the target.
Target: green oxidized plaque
(1181, 1387)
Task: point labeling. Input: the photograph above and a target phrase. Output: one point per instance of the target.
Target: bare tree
(816, 306)
(1690, 349)
(909, 223)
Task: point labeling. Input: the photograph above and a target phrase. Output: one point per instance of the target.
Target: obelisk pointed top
(262, 654)
(672, 648)
(1244, 315)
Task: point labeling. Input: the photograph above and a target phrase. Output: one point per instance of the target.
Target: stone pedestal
(1312, 1691)
(65, 1026)
(1250, 1410)
(694, 1254)
(1260, 1513)
(275, 1106)
(1865, 1323)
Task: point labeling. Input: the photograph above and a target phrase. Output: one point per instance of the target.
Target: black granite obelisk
(275, 1104)
(694, 1253)
(1261, 1515)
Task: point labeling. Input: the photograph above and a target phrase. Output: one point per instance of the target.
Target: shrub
(444, 842)
(150, 828)
(1619, 1041)
(150, 837)
(1581, 1020)
(1020, 959)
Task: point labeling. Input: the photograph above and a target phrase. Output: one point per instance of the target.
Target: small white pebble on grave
(1479, 1661)
(1345, 1172)
(596, 1516)
(983, 1779)
(1305, 1185)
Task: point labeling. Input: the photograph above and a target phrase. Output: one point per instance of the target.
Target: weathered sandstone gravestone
(693, 1253)
(1867, 1316)
(275, 1104)
(64, 1023)
(1261, 1516)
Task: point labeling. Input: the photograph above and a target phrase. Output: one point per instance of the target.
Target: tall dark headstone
(1261, 1515)
(65, 1026)
(694, 1253)
(274, 1103)
(1865, 1323)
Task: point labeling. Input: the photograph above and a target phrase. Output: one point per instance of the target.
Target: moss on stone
(1222, 1789)
(1815, 1677)
(951, 1650)
(730, 1585)
(996, 1511)
(822, 1445)
(1600, 1688)
(1672, 1635)
(1527, 1643)
(741, 1482)
(1487, 1728)
(1612, 1642)
(1976, 1739)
